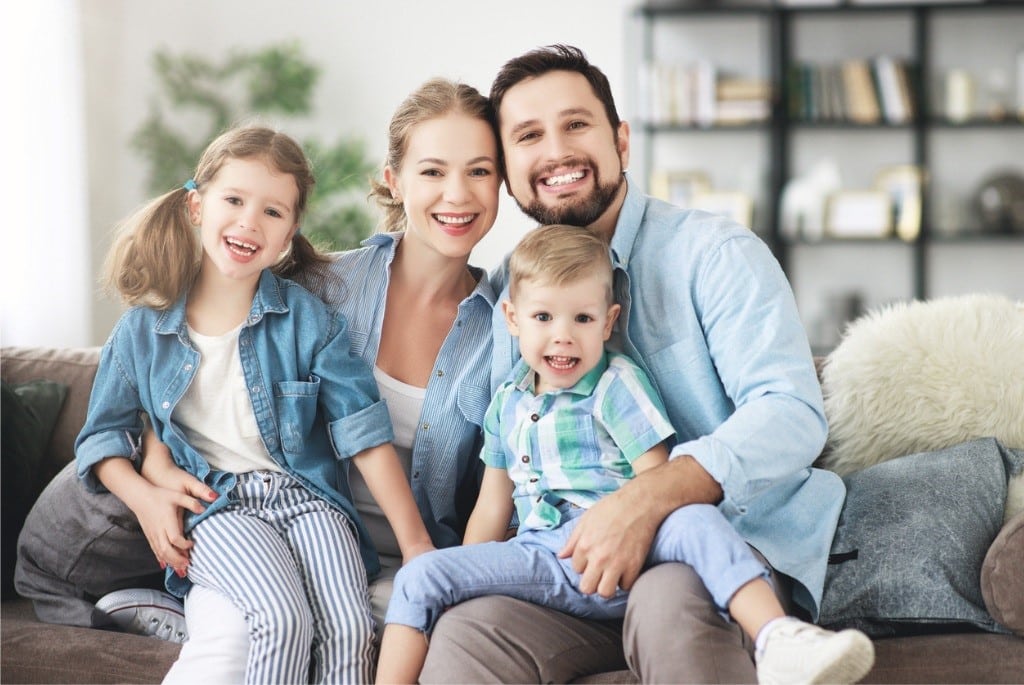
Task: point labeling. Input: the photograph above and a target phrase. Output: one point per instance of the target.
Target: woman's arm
(387, 482)
(493, 511)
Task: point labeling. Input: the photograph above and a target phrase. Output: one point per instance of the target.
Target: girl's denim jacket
(316, 404)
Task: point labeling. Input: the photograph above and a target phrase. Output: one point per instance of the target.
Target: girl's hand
(159, 469)
(160, 512)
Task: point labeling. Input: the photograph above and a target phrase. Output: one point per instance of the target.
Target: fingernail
(180, 572)
(163, 566)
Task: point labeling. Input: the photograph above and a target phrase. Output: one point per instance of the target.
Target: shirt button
(525, 459)
(256, 389)
(165, 405)
(425, 426)
(459, 322)
(534, 417)
(188, 367)
(440, 373)
(416, 474)
(534, 480)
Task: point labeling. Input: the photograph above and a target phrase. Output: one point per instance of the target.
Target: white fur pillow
(924, 376)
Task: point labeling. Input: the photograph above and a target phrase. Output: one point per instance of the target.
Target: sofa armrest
(1002, 582)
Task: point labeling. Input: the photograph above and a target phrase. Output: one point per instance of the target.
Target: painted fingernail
(163, 566)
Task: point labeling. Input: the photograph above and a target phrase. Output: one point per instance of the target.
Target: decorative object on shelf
(679, 187)
(858, 214)
(803, 201)
(275, 81)
(999, 203)
(733, 204)
(903, 184)
(959, 95)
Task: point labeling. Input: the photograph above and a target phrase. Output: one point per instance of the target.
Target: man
(708, 313)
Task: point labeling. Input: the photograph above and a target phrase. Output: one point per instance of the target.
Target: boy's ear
(509, 310)
(613, 315)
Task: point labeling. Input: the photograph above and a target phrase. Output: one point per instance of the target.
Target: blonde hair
(558, 254)
(435, 98)
(156, 255)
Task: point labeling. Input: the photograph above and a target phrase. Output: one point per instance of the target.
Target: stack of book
(860, 91)
(696, 94)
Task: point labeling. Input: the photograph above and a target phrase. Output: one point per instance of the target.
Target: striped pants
(290, 562)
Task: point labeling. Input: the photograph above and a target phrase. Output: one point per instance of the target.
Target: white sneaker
(796, 652)
(146, 612)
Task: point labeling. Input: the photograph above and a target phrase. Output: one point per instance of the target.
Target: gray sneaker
(146, 612)
(797, 652)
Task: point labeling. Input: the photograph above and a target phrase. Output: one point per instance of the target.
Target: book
(862, 103)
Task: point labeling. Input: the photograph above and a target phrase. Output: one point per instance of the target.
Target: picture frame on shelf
(858, 214)
(679, 187)
(903, 183)
(736, 205)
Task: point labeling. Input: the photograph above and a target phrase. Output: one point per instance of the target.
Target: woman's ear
(392, 180)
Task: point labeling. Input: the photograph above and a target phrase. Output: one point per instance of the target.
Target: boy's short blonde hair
(558, 254)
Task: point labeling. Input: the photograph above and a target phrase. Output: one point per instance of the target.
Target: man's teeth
(563, 179)
(241, 246)
(456, 220)
(562, 362)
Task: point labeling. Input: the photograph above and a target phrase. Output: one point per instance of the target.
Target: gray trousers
(672, 633)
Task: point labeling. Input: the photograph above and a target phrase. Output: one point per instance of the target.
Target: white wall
(372, 53)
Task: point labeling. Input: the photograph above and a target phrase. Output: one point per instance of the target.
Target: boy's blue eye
(584, 318)
(543, 316)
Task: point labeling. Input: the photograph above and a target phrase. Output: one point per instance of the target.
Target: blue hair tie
(190, 184)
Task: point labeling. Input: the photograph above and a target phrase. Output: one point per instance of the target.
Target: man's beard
(578, 211)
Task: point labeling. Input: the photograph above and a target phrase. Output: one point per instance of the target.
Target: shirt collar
(522, 378)
(268, 299)
(634, 205)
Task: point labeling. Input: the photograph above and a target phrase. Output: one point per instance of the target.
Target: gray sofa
(36, 652)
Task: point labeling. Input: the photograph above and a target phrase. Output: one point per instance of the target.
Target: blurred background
(103, 96)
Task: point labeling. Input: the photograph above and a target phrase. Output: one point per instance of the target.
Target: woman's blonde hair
(156, 255)
(558, 254)
(435, 98)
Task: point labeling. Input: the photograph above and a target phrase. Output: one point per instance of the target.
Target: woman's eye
(480, 172)
(431, 172)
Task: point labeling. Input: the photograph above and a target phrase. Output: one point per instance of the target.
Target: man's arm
(611, 541)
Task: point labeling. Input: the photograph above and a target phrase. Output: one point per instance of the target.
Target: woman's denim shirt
(710, 316)
(446, 468)
(316, 404)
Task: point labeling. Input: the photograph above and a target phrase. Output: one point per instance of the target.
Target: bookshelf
(811, 128)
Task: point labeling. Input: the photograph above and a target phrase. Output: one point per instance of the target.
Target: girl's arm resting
(493, 511)
(159, 510)
(158, 468)
(387, 482)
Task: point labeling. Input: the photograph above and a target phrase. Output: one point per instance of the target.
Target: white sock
(762, 634)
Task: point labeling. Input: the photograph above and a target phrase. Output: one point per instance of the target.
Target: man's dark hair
(540, 61)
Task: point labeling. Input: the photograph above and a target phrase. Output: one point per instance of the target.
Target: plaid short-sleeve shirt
(576, 444)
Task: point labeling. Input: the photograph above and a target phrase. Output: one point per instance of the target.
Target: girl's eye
(274, 213)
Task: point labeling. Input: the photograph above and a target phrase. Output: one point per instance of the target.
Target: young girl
(248, 380)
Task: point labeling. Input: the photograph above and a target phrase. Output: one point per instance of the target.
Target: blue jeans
(527, 567)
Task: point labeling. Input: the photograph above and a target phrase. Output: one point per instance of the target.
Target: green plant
(277, 80)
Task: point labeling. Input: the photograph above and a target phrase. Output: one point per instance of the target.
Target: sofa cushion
(912, 538)
(1002, 576)
(922, 376)
(28, 413)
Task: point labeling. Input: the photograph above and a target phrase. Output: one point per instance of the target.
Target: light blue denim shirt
(316, 404)
(708, 313)
(445, 464)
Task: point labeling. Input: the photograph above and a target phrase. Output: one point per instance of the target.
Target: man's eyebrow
(572, 111)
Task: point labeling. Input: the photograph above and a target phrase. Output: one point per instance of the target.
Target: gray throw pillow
(911, 540)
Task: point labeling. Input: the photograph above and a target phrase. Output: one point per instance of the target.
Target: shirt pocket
(472, 401)
(296, 405)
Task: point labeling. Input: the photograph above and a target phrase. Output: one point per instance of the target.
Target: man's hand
(612, 539)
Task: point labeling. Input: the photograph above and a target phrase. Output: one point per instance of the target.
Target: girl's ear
(392, 180)
(509, 310)
(195, 207)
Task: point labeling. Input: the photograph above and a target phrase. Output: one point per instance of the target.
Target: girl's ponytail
(156, 254)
